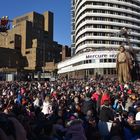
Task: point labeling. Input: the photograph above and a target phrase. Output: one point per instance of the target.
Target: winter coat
(105, 97)
(95, 96)
(106, 114)
(128, 104)
(75, 130)
(47, 108)
(88, 104)
(36, 102)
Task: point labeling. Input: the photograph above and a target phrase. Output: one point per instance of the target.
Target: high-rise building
(96, 36)
(72, 27)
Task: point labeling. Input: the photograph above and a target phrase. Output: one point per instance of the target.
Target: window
(105, 71)
(105, 60)
(91, 71)
(11, 41)
(109, 60)
(27, 52)
(93, 60)
(101, 60)
(114, 60)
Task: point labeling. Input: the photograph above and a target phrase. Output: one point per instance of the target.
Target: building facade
(32, 37)
(96, 26)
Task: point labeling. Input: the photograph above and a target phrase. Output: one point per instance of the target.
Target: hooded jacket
(75, 130)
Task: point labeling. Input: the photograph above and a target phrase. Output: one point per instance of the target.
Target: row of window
(109, 5)
(99, 42)
(105, 42)
(107, 19)
(93, 71)
(88, 2)
(92, 34)
(109, 71)
(90, 26)
(97, 49)
(105, 71)
(93, 61)
(108, 12)
(107, 60)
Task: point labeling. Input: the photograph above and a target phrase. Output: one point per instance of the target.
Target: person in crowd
(71, 109)
(75, 130)
(91, 129)
(106, 118)
(96, 97)
(105, 97)
(88, 104)
(137, 118)
(47, 106)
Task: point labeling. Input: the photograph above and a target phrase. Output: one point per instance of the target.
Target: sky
(60, 8)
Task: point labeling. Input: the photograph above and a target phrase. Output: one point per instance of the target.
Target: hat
(130, 115)
(129, 91)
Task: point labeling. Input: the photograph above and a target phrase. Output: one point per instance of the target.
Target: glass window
(114, 60)
(108, 71)
(105, 71)
(105, 60)
(109, 60)
(93, 60)
(89, 61)
(91, 71)
(101, 60)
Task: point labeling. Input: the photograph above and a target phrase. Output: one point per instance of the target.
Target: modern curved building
(96, 26)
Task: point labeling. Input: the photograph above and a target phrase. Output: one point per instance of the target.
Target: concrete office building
(32, 37)
(95, 35)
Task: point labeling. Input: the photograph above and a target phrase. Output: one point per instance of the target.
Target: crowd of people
(70, 110)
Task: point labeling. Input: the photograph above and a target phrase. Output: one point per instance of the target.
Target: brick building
(32, 38)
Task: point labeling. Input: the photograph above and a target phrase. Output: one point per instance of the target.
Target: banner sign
(101, 56)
